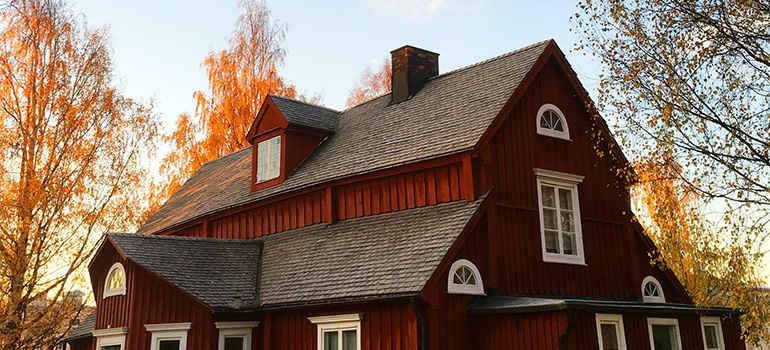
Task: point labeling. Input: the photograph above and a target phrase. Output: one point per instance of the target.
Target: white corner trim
(239, 324)
(108, 332)
(455, 288)
(664, 322)
(239, 329)
(716, 321)
(559, 177)
(115, 291)
(336, 318)
(646, 299)
(564, 135)
(615, 319)
(164, 327)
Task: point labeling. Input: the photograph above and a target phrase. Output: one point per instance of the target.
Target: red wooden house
(466, 210)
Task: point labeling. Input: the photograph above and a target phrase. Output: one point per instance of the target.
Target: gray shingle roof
(82, 329)
(304, 114)
(220, 273)
(448, 115)
(385, 254)
(380, 255)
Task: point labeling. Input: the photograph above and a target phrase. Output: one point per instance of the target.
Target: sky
(159, 45)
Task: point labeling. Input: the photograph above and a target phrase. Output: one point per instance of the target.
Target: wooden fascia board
(446, 261)
(268, 101)
(101, 247)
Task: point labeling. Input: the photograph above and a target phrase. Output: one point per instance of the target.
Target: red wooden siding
(385, 326)
(113, 311)
(156, 301)
(520, 331)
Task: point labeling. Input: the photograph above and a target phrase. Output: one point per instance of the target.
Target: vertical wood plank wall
(520, 331)
(112, 311)
(385, 326)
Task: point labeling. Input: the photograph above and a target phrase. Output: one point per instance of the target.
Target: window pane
(111, 347)
(568, 241)
(549, 199)
(567, 221)
(551, 241)
(565, 199)
(610, 337)
(234, 343)
(349, 340)
(663, 337)
(549, 219)
(117, 279)
(168, 345)
(710, 331)
(330, 341)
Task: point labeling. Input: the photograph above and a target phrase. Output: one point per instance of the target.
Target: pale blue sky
(159, 45)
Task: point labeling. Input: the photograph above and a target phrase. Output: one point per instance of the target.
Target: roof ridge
(520, 50)
(181, 238)
(304, 102)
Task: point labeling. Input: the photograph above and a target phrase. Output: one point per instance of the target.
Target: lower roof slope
(218, 272)
(448, 115)
(376, 256)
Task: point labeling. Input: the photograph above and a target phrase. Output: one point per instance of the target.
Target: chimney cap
(415, 48)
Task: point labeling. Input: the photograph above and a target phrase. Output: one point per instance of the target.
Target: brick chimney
(412, 67)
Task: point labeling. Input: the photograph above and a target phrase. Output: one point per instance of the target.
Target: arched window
(652, 292)
(551, 122)
(464, 278)
(116, 281)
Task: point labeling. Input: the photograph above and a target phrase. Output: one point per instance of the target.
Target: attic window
(464, 278)
(269, 159)
(116, 281)
(551, 122)
(651, 291)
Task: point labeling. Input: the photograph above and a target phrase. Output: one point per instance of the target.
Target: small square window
(610, 332)
(235, 335)
(712, 333)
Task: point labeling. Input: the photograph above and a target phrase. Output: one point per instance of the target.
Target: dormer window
(652, 291)
(269, 159)
(464, 278)
(116, 281)
(551, 122)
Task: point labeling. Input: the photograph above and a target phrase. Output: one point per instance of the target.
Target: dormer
(283, 134)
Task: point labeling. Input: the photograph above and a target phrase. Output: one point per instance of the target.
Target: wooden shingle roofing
(448, 115)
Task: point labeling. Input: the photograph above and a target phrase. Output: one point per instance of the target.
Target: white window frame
(568, 181)
(115, 291)
(650, 299)
(110, 337)
(615, 320)
(456, 288)
(268, 142)
(664, 322)
(713, 321)
(339, 323)
(564, 135)
(168, 331)
(236, 330)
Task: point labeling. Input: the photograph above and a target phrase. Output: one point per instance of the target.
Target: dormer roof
(305, 114)
(448, 115)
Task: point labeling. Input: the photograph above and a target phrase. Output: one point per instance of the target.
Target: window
(116, 281)
(168, 336)
(609, 329)
(664, 334)
(111, 338)
(560, 229)
(341, 332)
(712, 333)
(269, 159)
(235, 335)
(464, 278)
(652, 291)
(551, 122)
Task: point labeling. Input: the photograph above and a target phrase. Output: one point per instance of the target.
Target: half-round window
(116, 281)
(551, 122)
(464, 278)
(652, 292)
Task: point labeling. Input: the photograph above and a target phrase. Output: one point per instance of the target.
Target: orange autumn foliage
(371, 84)
(72, 165)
